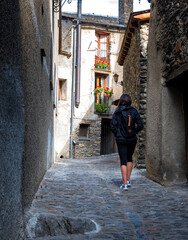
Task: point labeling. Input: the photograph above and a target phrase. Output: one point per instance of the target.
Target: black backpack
(127, 126)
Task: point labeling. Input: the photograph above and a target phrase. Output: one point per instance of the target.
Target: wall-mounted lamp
(116, 76)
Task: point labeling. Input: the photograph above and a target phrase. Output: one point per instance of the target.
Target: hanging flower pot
(108, 91)
(98, 90)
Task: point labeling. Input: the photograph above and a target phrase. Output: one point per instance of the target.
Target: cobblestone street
(88, 189)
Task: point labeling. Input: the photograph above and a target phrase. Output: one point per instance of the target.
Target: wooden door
(107, 138)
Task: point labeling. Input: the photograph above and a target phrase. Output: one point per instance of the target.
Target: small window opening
(83, 131)
(42, 9)
(42, 54)
(62, 90)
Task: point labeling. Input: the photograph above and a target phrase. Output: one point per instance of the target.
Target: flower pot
(104, 67)
(98, 94)
(108, 94)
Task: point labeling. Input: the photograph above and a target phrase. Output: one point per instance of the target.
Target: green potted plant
(101, 107)
(105, 64)
(108, 91)
(98, 90)
(98, 64)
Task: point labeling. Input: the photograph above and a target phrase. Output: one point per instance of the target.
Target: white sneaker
(124, 187)
(128, 183)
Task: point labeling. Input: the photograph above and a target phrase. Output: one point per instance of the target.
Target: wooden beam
(65, 53)
(125, 48)
(124, 53)
(134, 25)
(127, 44)
(131, 30)
(142, 17)
(128, 40)
(101, 71)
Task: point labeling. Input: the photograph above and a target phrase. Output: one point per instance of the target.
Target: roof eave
(134, 17)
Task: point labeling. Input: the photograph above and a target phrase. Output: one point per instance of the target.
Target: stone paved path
(90, 189)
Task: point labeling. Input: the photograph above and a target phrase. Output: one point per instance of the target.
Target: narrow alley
(80, 199)
(65, 69)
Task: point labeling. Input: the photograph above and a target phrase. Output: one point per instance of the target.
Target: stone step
(141, 161)
(141, 166)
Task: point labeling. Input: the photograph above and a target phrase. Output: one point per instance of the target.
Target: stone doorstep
(141, 166)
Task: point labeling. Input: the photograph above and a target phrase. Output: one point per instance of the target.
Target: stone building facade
(87, 124)
(166, 148)
(91, 134)
(26, 115)
(133, 57)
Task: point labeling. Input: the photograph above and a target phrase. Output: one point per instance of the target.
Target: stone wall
(172, 18)
(135, 80)
(11, 123)
(144, 35)
(89, 146)
(131, 70)
(131, 79)
(26, 116)
(36, 30)
(167, 55)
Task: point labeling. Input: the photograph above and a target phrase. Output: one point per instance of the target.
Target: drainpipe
(78, 56)
(73, 84)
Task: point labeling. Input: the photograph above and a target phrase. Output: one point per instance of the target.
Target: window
(83, 131)
(101, 80)
(62, 89)
(102, 46)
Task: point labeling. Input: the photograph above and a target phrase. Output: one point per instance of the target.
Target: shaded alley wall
(167, 63)
(26, 116)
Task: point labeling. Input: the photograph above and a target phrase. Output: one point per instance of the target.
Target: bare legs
(126, 151)
(126, 171)
(129, 169)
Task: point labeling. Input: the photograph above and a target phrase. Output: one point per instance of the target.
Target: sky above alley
(103, 7)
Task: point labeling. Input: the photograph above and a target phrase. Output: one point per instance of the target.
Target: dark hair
(125, 99)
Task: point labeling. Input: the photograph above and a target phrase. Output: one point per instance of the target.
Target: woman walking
(125, 124)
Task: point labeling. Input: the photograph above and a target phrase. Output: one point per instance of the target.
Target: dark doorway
(185, 105)
(107, 138)
(180, 84)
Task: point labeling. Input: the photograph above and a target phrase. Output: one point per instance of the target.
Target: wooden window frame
(62, 82)
(107, 58)
(101, 98)
(67, 54)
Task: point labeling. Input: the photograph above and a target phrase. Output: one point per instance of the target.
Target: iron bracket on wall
(58, 4)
